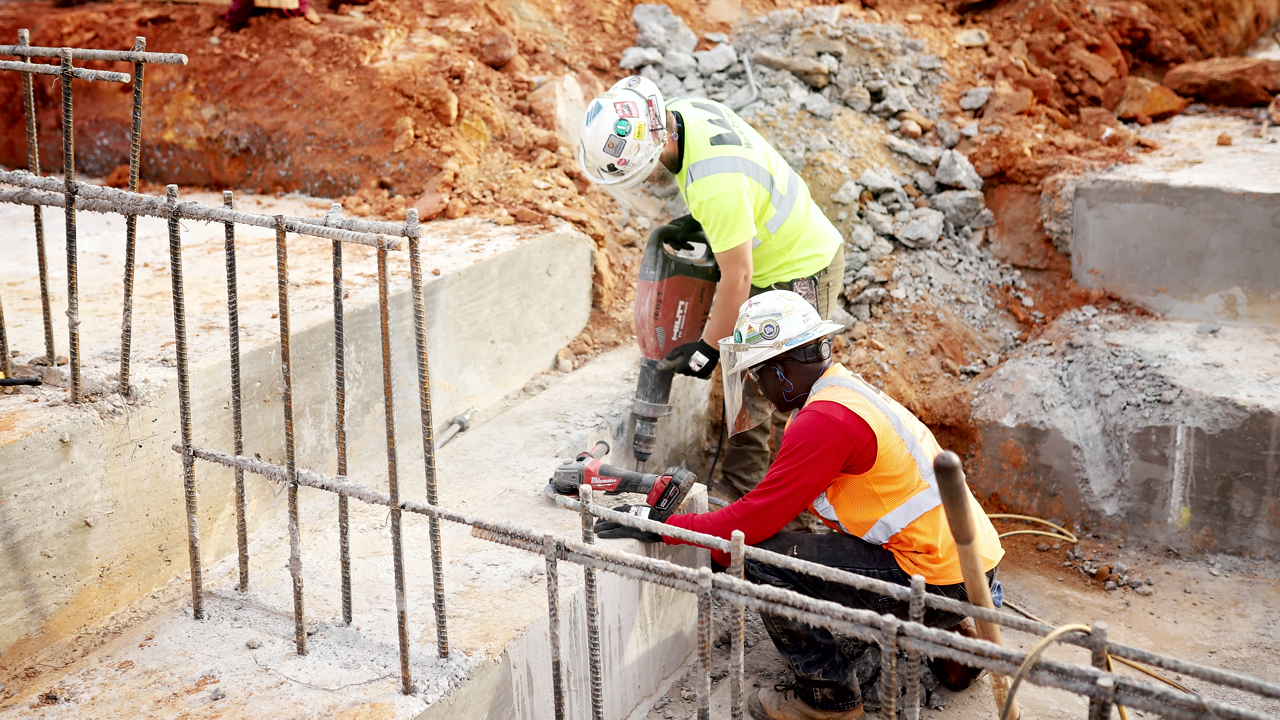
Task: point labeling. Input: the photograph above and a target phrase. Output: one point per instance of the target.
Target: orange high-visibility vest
(896, 503)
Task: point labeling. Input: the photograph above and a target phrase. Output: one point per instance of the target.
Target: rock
(947, 134)
(634, 57)
(873, 181)
(960, 207)
(811, 70)
(879, 248)
(658, 27)
(848, 193)
(840, 316)
(253, 643)
(819, 106)
(1096, 65)
(1135, 583)
(1008, 100)
(716, 37)
(1224, 139)
(870, 296)
(456, 208)
(1043, 547)
(670, 85)
(218, 693)
(1120, 567)
(975, 98)
(1236, 81)
(984, 219)
(717, 59)
(431, 204)
(922, 229)
(862, 236)
(403, 134)
(680, 64)
(693, 85)
(497, 48)
(926, 155)
(1102, 573)
(1109, 586)
(955, 170)
(1146, 100)
(857, 97)
(973, 37)
(1207, 328)
(895, 101)
(1168, 396)
(970, 130)
(880, 222)
(1214, 572)
(1145, 590)
(925, 182)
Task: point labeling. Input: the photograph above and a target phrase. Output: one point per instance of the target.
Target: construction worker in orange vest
(860, 462)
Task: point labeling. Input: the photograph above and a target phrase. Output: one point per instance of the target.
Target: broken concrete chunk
(879, 248)
(922, 229)
(848, 193)
(925, 182)
(975, 98)
(819, 106)
(880, 222)
(716, 37)
(973, 37)
(857, 97)
(811, 70)
(1146, 100)
(947, 134)
(670, 85)
(634, 57)
(926, 155)
(870, 296)
(984, 219)
(876, 183)
(658, 27)
(862, 237)
(970, 130)
(959, 206)
(895, 101)
(717, 59)
(680, 64)
(955, 170)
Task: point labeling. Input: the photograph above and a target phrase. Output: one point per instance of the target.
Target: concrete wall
(1199, 253)
(91, 510)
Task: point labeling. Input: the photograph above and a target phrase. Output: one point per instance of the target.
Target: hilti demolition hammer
(664, 492)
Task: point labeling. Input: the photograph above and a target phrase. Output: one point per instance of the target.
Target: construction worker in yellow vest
(864, 465)
(755, 211)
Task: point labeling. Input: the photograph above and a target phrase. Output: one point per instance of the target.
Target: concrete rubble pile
(808, 68)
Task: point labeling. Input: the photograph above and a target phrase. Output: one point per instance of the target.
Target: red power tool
(678, 277)
(665, 492)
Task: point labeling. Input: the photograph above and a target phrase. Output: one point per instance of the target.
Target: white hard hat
(769, 324)
(623, 132)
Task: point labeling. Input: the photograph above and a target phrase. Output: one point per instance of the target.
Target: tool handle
(600, 450)
(15, 381)
(958, 503)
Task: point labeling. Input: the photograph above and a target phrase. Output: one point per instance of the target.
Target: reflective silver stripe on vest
(900, 517)
(828, 513)
(783, 203)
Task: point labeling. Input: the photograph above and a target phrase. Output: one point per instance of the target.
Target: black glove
(696, 358)
(610, 530)
(681, 233)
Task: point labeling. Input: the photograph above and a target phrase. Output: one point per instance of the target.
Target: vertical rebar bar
(1099, 709)
(551, 550)
(131, 221)
(184, 393)
(33, 164)
(889, 668)
(5, 366)
(737, 649)
(593, 609)
(237, 407)
(69, 171)
(1108, 687)
(704, 643)
(393, 482)
(340, 421)
(286, 368)
(428, 429)
(912, 669)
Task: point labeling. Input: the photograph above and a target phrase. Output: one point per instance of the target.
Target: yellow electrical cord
(1062, 534)
(1033, 657)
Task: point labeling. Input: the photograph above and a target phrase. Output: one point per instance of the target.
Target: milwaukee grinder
(678, 277)
(664, 492)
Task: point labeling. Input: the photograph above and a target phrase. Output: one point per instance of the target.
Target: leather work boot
(953, 675)
(775, 704)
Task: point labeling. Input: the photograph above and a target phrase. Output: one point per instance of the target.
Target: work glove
(697, 359)
(681, 233)
(610, 530)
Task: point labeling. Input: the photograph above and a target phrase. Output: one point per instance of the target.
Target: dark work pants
(825, 677)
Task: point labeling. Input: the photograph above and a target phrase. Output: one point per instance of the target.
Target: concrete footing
(1159, 431)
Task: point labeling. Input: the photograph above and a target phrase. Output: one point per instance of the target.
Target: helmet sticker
(639, 131)
(622, 128)
(655, 122)
(633, 81)
(593, 111)
(623, 162)
(614, 145)
(769, 329)
(626, 109)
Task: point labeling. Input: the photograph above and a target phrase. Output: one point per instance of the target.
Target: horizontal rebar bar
(77, 73)
(858, 623)
(129, 56)
(95, 198)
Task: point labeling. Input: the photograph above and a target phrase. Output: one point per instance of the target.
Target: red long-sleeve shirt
(823, 440)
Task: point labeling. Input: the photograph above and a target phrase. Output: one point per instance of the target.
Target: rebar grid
(911, 636)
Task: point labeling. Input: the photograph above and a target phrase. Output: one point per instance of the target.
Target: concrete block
(1155, 431)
